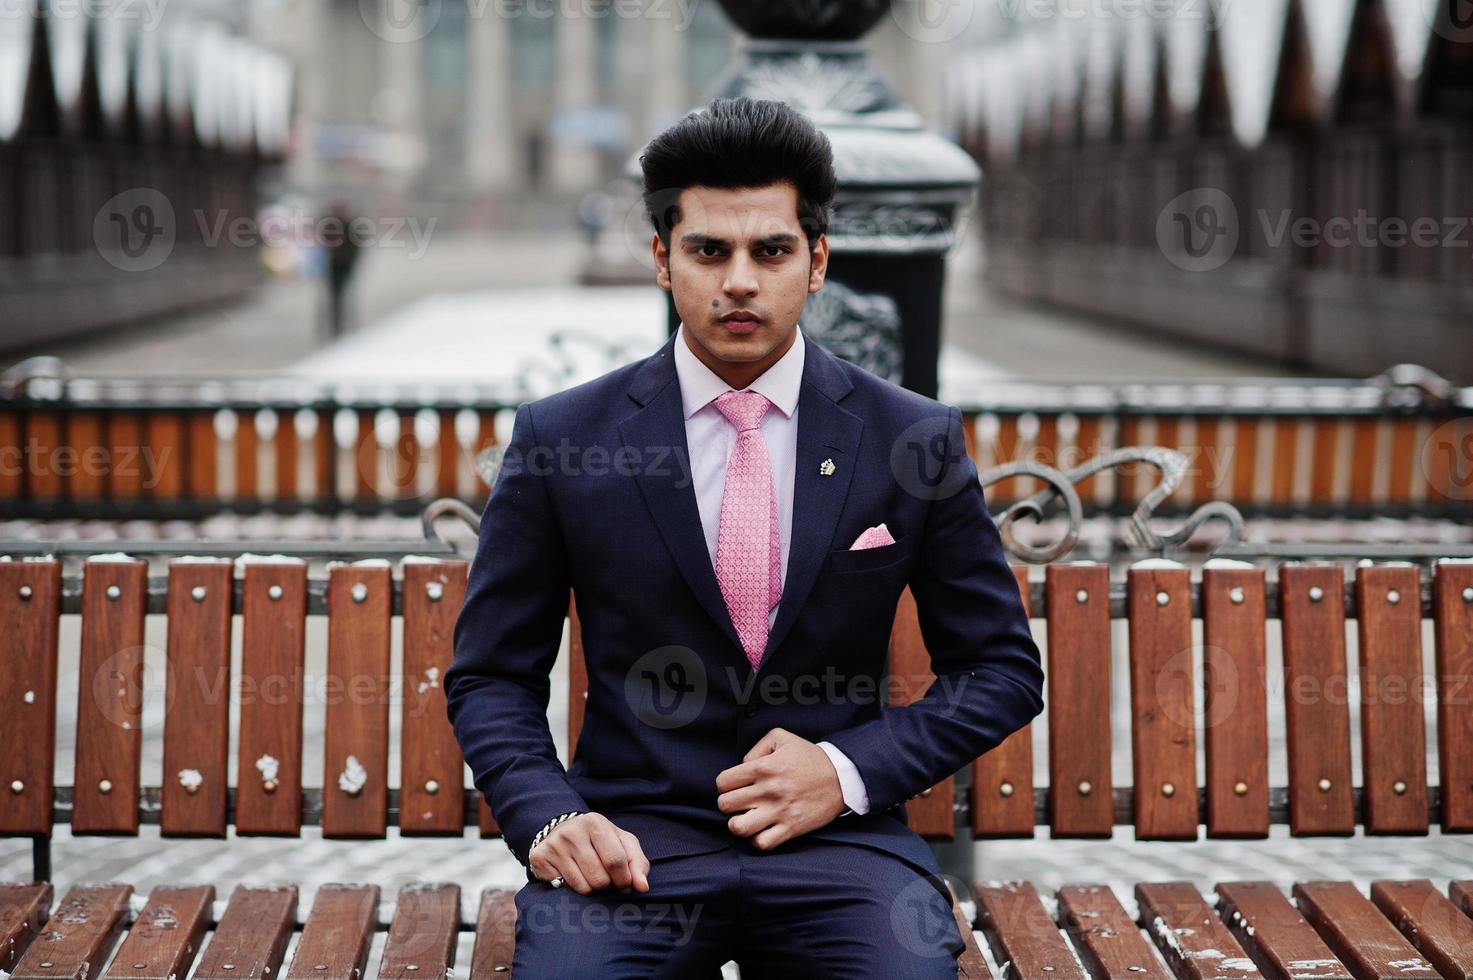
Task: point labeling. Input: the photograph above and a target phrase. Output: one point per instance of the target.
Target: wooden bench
(149, 448)
(1402, 928)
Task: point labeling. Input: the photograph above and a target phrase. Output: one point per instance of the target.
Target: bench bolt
(197, 593)
(1316, 593)
(1399, 788)
(25, 593)
(1393, 596)
(274, 592)
(1005, 789)
(1084, 787)
(432, 786)
(1082, 596)
(1241, 788)
(1162, 598)
(1324, 785)
(105, 786)
(360, 593)
(435, 591)
(1235, 595)
(114, 593)
(16, 786)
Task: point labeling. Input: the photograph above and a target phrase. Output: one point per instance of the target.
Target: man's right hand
(591, 853)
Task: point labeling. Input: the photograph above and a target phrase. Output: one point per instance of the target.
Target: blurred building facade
(134, 139)
(474, 108)
(1284, 177)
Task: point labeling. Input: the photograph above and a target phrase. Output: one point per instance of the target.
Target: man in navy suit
(736, 516)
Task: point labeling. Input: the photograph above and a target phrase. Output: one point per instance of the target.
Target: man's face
(740, 269)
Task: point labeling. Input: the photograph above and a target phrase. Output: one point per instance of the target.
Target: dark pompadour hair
(735, 143)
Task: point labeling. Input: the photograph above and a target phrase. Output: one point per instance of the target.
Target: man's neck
(738, 374)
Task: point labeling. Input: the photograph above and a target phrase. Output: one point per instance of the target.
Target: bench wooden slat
(1024, 939)
(337, 935)
(1325, 433)
(932, 813)
(448, 455)
(365, 456)
(1235, 701)
(1002, 779)
(1365, 433)
(1109, 943)
(324, 456)
(1193, 940)
(79, 935)
(124, 436)
(1358, 933)
(43, 439)
(273, 655)
(203, 473)
(287, 449)
(1453, 632)
(1315, 702)
(1274, 934)
(1162, 695)
(432, 794)
(1393, 731)
(1286, 451)
(355, 778)
(577, 679)
(166, 449)
(405, 459)
(247, 452)
(110, 698)
(88, 481)
(197, 723)
(423, 934)
(1434, 925)
(496, 935)
(1245, 466)
(971, 964)
(251, 939)
(12, 478)
(30, 611)
(1078, 674)
(23, 911)
(166, 937)
(1460, 893)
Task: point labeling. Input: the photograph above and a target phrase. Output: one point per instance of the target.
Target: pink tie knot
(743, 409)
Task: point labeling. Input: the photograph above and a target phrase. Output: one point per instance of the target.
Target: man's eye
(773, 251)
(708, 251)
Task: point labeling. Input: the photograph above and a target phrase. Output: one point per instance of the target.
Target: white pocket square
(873, 537)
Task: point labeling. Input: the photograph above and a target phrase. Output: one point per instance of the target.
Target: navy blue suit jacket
(594, 494)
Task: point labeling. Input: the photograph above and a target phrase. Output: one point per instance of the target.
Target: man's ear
(662, 262)
(818, 263)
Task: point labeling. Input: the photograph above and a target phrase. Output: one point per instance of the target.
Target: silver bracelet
(547, 829)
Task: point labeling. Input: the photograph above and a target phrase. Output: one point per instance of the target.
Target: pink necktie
(748, 556)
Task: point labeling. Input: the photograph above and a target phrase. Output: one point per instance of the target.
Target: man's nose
(741, 276)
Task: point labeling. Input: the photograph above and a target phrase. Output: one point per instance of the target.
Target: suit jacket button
(751, 711)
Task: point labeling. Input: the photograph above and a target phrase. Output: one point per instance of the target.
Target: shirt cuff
(856, 798)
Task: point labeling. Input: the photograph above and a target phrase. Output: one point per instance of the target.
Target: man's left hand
(783, 788)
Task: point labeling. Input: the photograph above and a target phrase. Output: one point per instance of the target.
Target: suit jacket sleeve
(506, 640)
(989, 675)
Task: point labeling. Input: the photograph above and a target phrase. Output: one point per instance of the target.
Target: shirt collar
(779, 384)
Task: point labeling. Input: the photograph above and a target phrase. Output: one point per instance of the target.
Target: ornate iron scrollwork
(1172, 465)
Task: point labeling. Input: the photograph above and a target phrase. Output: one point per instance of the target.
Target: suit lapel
(825, 431)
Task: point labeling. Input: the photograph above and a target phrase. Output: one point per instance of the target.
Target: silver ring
(557, 882)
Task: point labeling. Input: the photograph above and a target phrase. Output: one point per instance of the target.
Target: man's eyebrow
(778, 238)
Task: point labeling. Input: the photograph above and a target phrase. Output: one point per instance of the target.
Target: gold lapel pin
(826, 468)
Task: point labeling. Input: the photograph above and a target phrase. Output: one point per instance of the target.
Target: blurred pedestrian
(342, 255)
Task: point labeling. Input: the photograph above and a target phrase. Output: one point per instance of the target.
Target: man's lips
(741, 321)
